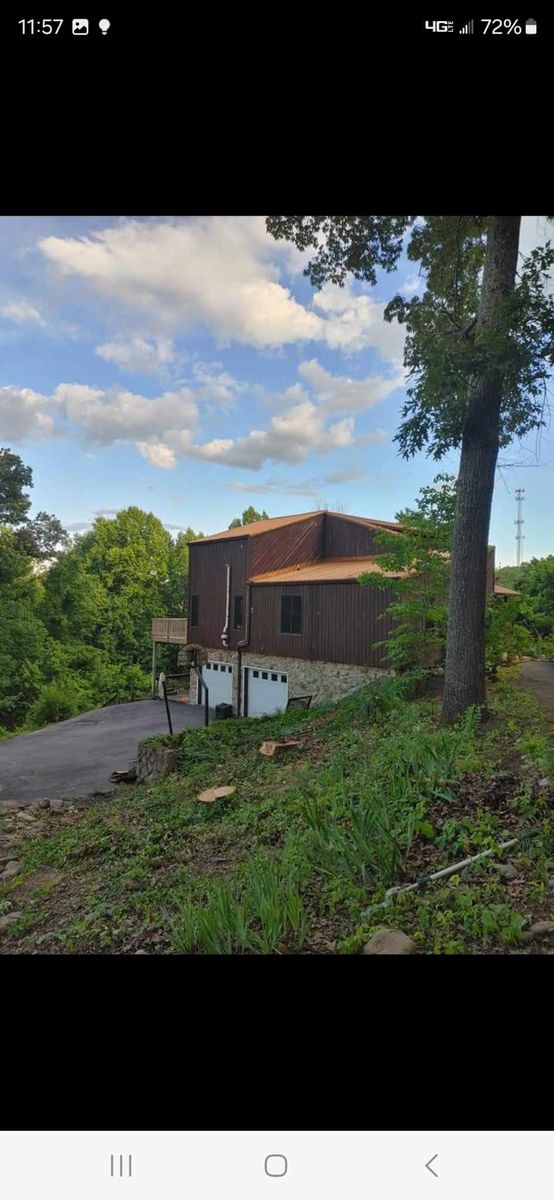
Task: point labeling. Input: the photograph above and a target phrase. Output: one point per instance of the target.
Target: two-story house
(277, 606)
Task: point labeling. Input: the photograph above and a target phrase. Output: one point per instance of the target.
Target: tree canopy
(248, 517)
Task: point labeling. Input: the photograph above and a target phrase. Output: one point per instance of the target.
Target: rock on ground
(390, 941)
(11, 869)
(505, 870)
(9, 919)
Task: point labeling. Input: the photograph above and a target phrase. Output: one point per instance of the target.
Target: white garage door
(268, 692)
(218, 677)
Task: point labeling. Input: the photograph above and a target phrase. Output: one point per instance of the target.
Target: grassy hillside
(299, 858)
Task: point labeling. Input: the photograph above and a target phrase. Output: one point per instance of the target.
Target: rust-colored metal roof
(335, 569)
(266, 526)
(504, 591)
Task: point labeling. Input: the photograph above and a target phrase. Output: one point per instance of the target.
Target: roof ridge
(266, 524)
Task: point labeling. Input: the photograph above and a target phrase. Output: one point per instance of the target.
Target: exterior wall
(324, 681)
(340, 621)
(298, 543)
(208, 580)
(348, 539)
(490, 570)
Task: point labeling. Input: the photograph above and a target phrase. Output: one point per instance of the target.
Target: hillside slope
(298, 859)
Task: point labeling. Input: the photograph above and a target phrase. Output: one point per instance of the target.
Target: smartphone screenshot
(276, 535)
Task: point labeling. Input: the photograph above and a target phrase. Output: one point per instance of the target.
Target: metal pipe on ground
(455, 867)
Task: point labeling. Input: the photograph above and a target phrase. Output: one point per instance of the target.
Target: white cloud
(162, 427)
(412, 284)
(216, 386)
(23, 415)
(148, 356)
(221, 272)
(305, 487)
(339, 393)
(354, 323)
(343, 476)
(290, 437)
(158, 454)
(224, 273)
(22, 312)
(107, 416)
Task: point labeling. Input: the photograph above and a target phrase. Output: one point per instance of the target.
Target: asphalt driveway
(76, 758)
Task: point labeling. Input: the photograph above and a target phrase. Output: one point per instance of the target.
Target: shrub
(54, 703)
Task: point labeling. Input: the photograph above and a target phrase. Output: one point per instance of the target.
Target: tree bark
(464, 683)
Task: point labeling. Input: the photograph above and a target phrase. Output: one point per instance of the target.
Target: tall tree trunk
(464, 682)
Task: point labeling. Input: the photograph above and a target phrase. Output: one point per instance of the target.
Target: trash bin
(223, 711)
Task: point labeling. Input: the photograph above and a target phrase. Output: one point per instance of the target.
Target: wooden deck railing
(169, 629)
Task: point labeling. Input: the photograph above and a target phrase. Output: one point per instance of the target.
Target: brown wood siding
(347, 539)
(490, 570)
(208, 581)
(340, 622)
(298, 543)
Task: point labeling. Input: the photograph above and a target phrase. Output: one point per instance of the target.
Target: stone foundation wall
(324, 681)
(155, 760)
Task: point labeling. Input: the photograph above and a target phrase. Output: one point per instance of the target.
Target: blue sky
(187, 366)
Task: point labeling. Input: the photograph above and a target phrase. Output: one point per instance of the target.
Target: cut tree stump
(270, 749)
(217, 793)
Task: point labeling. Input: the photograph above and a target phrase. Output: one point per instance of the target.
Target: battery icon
(530, 26)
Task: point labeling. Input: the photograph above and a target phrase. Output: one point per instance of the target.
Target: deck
(170, 629)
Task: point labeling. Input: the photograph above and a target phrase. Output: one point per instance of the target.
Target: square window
(283, 679)
(264, 674)
(256, 674)
(274, 678)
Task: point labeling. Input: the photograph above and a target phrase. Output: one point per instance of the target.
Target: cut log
(270, 749)
(216, 793)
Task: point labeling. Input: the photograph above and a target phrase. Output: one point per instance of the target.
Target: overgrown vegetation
(299, 858)
(535, 580)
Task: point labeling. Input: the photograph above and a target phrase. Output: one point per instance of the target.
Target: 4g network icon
(440, 26)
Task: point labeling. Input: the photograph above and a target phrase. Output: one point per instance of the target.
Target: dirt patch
(42, 877)
(213, 856)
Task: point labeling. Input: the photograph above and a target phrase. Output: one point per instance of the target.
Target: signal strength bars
(469, 28)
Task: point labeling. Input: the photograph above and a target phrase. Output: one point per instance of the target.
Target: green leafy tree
(41, 538)
(418, 557)
(249, 515)
(535, 581)
(129, 555)
(507, 637)
(14, 477)
(479, 348)
(22, 633)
